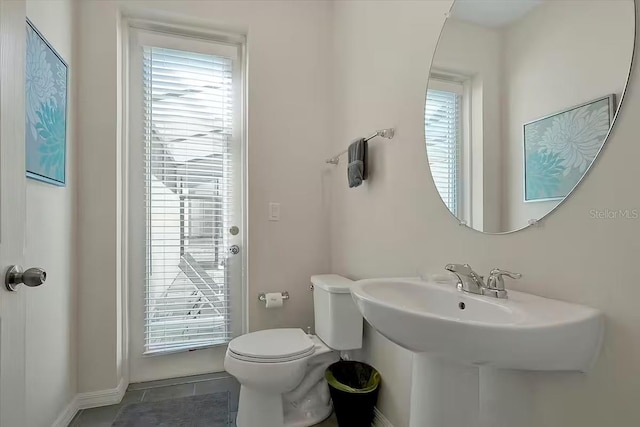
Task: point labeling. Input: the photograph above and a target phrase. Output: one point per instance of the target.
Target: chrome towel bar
(383, 133)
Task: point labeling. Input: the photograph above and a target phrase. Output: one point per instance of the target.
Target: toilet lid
(272, 344)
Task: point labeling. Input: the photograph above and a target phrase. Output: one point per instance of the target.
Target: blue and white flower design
(560, 149)
(46, 104)
(51, 129)
(40, 84)
(577, 136)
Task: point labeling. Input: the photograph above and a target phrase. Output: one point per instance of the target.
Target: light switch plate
(274, 211)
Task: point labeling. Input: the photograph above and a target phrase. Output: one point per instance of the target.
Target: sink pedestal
(505, 398)
(443, 393)
(450, 394)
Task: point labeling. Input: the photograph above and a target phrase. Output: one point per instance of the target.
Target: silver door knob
(32, 277)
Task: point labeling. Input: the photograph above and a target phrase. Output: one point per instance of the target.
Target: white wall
(395, 224)
(476, 53)
(50, 244)
(382, 228)
(552, 70)
(288, 84)
(97, 198)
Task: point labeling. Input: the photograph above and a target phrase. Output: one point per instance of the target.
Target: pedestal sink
(453, 333)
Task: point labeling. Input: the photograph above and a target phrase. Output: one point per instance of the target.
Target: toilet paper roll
(274, 300)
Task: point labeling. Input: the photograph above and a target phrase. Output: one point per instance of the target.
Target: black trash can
(354, 388)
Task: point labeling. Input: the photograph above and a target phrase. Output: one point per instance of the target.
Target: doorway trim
(128, 20)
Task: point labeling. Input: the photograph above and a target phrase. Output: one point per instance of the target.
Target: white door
(12, 210)
(186, 203)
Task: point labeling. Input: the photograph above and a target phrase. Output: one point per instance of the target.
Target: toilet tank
(338, 320)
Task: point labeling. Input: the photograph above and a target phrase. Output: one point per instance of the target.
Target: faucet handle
(499, 273)
(496, 282)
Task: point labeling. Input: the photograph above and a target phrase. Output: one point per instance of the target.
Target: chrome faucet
(468, 280)
(471, 282)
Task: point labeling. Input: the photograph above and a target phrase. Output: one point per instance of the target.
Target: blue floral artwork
(559, 149)
(46, 110)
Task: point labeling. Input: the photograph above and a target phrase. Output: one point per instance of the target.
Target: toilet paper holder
(263, 297)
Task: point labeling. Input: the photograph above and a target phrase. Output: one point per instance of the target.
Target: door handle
(32, 277)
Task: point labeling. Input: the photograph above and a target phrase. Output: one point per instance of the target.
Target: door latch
(32, 277)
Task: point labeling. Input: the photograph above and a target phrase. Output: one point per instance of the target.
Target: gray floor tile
(203, 410)
(232, 418)
(132, 396)
(214, 386)
(97, 417)
(75, 419)
(229, 384)
(169, 392)
(329, 422)
(176, 381)
(181, 387)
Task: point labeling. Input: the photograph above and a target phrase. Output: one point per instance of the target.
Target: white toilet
(281, 371)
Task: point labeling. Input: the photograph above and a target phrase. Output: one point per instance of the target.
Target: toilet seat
(272, 346)
(262, 360)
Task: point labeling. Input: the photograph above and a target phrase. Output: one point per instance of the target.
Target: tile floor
(169, 389)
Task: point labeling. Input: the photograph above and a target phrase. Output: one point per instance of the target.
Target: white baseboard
(379, 420)
(67, 414)
(92, 399)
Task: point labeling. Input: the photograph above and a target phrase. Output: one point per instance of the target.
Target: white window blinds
(187, 124)
(443, 133)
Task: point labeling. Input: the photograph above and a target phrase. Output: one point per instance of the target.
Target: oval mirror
(522, 95)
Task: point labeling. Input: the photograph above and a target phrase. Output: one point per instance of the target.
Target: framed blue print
(559, 149)
(46, 110)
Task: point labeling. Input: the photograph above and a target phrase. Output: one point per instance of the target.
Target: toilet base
(305, 405)
(307, 419)
(257, 408)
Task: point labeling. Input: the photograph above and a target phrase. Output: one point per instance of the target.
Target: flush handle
(32, 277)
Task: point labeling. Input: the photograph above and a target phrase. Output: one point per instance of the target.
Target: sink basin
(521, 332)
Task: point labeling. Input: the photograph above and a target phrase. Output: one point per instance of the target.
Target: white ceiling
(492, 13)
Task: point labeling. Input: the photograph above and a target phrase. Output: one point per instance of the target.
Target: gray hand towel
(357, 168)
